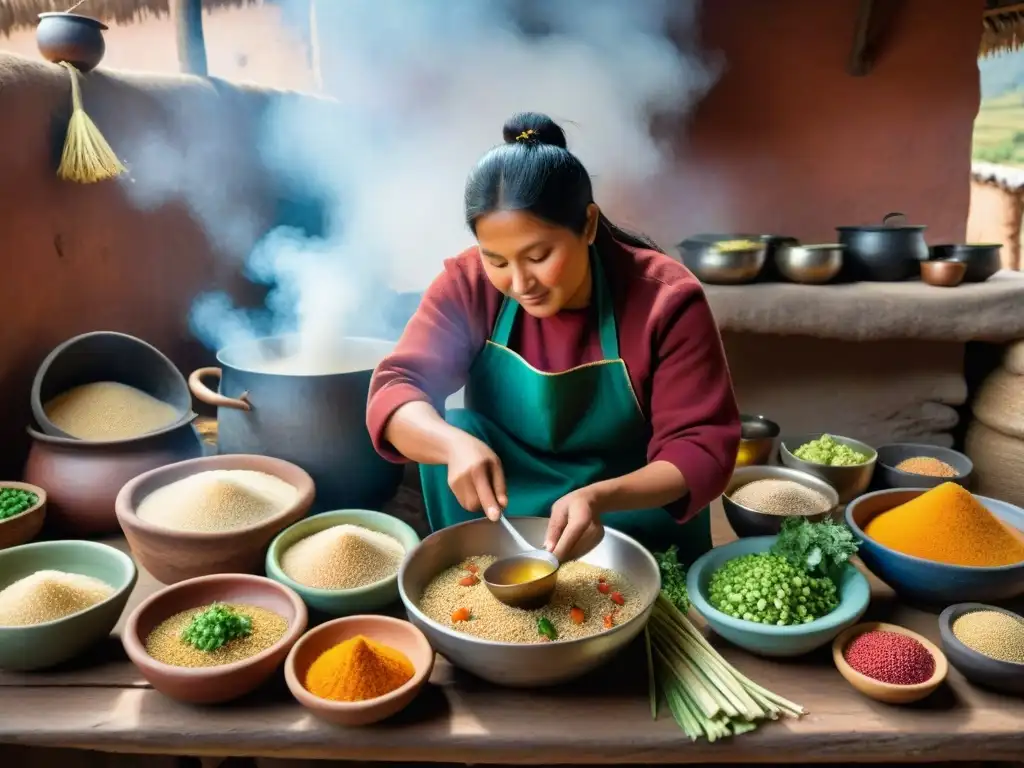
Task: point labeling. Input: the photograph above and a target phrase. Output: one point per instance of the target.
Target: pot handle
(894, 219)
(206, 395)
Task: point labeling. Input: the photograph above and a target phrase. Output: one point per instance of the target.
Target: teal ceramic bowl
(764, 639)
(342, 602)
(45, 645)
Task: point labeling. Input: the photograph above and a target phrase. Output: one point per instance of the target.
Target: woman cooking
(597, 389)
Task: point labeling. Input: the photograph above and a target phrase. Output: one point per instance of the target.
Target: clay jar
(69, 37)
(82, 479)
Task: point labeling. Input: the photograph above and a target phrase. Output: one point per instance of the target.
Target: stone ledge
(991, 311)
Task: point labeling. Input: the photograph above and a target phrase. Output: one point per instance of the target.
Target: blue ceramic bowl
(342, 602)
(925, 580)
(766, 639)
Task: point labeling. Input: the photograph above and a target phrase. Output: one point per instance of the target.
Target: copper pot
(82, 479)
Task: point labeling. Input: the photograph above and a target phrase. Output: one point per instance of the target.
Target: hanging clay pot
(70, 37)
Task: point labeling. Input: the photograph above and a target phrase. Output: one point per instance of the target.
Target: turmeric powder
(357, 670)
(948, 525)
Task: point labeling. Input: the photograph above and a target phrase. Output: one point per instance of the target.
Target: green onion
(706, 695)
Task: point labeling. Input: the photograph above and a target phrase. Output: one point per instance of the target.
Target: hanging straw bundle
(87, 157)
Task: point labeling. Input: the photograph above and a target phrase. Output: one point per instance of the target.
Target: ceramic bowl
(876, 689)
(71, 37)
(924, 580)
(849, 482)
(213, 685)
(765, 639)
(82, 479)
(24, 527)
(887, 476)
(172, 556)
(398, 634)
(1005, 676)
(107, 356)
(749, 522)
(45, 645)
(757, 440)
(341, 602)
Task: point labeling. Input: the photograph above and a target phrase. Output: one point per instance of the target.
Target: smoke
(420, 90)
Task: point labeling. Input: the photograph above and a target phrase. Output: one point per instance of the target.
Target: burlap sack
(998, 463)
(1013, 361)
(999, 403)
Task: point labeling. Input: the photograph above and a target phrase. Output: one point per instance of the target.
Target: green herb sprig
(822, 549)
(546, 629)
(673, 579)
(215, 627)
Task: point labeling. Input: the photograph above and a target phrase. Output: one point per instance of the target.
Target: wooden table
(104, 704)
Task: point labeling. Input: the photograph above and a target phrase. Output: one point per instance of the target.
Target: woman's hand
(475, 475)
(571, 517)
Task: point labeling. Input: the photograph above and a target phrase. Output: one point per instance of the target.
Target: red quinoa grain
(890, 657)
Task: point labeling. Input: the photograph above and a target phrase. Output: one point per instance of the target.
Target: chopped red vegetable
(469, 581)
(609, 620)
(618, 599)
(472, 568)
(576, 614)
(462, 614)
(603, 588)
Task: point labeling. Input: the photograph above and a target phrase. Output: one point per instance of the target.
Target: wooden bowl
(24, 527)
(400, 635)
(172, 556)
(213, 685)
(945, 274)
(876, 689)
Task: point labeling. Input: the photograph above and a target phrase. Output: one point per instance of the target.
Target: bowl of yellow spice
(941, 545)
(360, 669)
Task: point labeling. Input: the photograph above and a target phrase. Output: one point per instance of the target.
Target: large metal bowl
(809, 264)
(710, 263)
(747, 522)
(513, 664)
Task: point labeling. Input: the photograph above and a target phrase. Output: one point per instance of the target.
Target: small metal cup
(528, 595)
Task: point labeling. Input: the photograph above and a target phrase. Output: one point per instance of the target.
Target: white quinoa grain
(217, 500)
(108, 410)
(780, 497)
(48, 596)
(343, 557)
(493, 620)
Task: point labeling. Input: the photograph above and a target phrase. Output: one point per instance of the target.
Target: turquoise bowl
(39, 646)
(766, 639)
(342, 602)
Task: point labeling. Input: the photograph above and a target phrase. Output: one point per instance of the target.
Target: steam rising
(422, 90)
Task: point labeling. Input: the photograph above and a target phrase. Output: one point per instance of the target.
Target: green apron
(558, 432)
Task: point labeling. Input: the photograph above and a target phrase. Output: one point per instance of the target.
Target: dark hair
(534, 171)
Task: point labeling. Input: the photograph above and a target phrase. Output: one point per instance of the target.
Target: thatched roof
(1002, 176)
(23, 14)
(1002, 26)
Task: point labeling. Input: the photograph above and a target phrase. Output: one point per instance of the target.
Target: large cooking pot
(884, 253)
(273, 401)
(982, 259)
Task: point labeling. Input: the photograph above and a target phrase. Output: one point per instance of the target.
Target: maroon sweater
(667, 338)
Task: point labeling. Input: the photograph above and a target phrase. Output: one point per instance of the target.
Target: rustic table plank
(103, 703)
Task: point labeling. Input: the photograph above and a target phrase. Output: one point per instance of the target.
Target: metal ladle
(528, 594)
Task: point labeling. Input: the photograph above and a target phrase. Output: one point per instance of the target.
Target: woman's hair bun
(533, 127)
